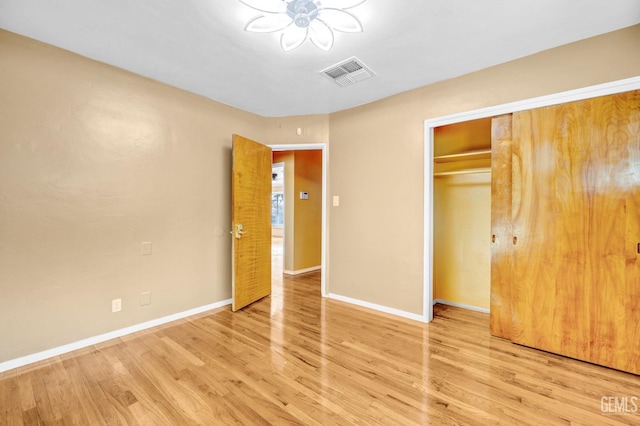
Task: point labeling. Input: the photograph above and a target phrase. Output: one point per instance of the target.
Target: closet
(462, 214)
(565, 229)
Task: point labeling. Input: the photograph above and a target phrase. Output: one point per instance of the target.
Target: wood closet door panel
(501, 233)
(576, 180)
(632, 300)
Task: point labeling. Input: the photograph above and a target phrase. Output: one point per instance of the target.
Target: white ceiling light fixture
(301, 20)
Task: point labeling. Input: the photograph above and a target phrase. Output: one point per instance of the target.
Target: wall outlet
(116, 305)
(145, 298)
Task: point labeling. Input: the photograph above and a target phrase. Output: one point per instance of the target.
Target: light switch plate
(147, 249)
(336, 200)
(145, 298)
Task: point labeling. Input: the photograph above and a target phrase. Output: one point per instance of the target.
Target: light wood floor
(295, 358)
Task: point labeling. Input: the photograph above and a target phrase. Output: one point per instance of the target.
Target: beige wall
(308, 213)
(284, 130)
(93, 162)
(376, 161)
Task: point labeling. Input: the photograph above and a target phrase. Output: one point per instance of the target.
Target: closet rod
(462, 172)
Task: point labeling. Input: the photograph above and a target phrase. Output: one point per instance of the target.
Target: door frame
(309, 147)
(429, 125)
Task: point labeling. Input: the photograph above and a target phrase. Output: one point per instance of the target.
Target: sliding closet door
(576, 214)
(501, 233)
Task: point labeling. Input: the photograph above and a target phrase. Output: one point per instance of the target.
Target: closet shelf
(469, 155)
(463, 172)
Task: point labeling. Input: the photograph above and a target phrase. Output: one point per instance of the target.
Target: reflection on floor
(298, 358)
(277, 277)
(277, 257)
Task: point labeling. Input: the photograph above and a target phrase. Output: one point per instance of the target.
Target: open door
(251, 222)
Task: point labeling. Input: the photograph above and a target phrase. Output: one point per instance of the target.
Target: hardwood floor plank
(82, 394)
(12, 412)
(296, 358)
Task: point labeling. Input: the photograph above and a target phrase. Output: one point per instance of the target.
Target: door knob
(239, 232)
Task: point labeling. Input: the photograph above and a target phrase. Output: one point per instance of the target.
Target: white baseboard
(302, 271)
(461, 305)
(50, 353)
(375, 307)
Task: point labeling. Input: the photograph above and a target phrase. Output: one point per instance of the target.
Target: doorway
(277, 218)
(305, 194)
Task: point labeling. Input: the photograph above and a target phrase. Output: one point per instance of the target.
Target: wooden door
(251, 222)
(501, 233)
(576, 216)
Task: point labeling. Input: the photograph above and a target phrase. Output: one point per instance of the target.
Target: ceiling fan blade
(268, 6)
(321, 35)
(293, 37)
(340, 20)
(270, 23)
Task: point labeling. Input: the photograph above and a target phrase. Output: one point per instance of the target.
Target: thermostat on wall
(304, 195)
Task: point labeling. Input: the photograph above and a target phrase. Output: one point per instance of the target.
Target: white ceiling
(200, 45)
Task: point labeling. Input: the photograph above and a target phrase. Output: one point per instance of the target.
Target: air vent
(348, 72)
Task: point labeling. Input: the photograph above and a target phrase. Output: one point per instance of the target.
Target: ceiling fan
(301, 20)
